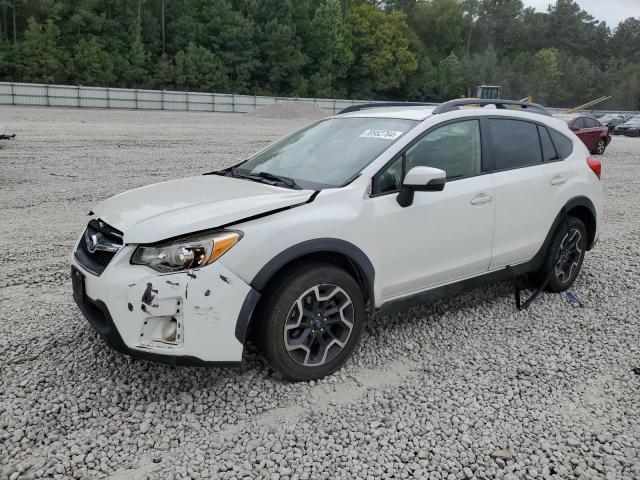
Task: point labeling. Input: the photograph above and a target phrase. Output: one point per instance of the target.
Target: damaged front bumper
(132, 307)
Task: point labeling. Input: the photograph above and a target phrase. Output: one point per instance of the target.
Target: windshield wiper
(225, 172)
(289, 182)
(259, 177)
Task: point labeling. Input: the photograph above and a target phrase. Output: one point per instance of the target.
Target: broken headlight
(186, 253)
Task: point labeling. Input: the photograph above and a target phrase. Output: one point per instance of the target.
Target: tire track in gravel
(326, 397)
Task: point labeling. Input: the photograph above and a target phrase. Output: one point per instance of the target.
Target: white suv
(371, 210)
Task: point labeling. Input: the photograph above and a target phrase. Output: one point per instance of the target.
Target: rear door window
(579, 122)
(592, 123)
(515, 143)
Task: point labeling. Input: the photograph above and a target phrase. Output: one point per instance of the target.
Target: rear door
(596, 130)
(584, 132)
(529, 177)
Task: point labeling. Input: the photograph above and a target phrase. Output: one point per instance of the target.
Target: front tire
(311, 321)
(565, 255)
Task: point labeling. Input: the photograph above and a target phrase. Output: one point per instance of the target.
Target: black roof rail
(452, 105)
(363, 106)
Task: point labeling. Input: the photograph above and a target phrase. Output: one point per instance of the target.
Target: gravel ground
(466, 387)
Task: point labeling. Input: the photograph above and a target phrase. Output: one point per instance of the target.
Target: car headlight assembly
(186, 253)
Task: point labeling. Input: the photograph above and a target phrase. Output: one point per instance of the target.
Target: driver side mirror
(574, 128)
(421, 179)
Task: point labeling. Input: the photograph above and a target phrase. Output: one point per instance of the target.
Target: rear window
(515, 143)
(563, 145)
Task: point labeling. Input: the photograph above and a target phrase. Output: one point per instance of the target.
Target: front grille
(98, 246)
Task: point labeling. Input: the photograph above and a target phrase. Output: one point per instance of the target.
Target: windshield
(634, 121)
(329, 153)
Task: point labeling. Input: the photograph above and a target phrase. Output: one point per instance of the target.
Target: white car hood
(180, 207)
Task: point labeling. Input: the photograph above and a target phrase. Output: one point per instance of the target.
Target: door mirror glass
(421, 179)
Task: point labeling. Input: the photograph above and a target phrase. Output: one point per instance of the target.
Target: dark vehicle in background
(631, 128)
(612, 120)
(593, 134)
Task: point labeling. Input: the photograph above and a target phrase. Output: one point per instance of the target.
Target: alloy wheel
(318, 325)
(569, 255)
(600, 148)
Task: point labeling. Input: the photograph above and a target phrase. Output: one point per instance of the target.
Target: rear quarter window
(563, 145)
(549, 153)
(515, 143)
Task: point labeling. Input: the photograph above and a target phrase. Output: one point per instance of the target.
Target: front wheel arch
(337, 252)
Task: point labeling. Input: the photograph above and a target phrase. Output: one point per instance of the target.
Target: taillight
(595, 166)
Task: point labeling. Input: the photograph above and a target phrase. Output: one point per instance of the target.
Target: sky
(611, 11)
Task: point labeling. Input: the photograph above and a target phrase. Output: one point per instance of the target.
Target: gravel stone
(432, 392)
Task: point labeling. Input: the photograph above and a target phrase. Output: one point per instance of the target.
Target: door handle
(481, 199)
(558, 180)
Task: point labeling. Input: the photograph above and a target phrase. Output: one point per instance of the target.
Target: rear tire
(565, 255)
(600, 147)
(311, 321)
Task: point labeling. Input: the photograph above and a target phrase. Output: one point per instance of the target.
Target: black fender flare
(333, 245)
(355, 255)
(578, 201)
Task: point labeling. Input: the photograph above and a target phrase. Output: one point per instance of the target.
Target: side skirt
(452, 289)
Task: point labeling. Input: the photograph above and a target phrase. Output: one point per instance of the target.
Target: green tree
(231, 36)
(546, 74)
(137, 58)
(165, 76)
(283, 60)
(625, 42)
(201, 70)
(91, 64)
(448, 79)
(499, 25)
(392, 49)
(329, 49)
(42, 57)
(440, 24)
(380, 41)
(571, 29)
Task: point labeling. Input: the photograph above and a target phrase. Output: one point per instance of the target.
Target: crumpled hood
(180, 207)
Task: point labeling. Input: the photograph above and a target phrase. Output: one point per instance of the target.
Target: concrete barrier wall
(100, 97)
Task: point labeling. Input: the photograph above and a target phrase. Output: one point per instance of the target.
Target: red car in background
(593, 134)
